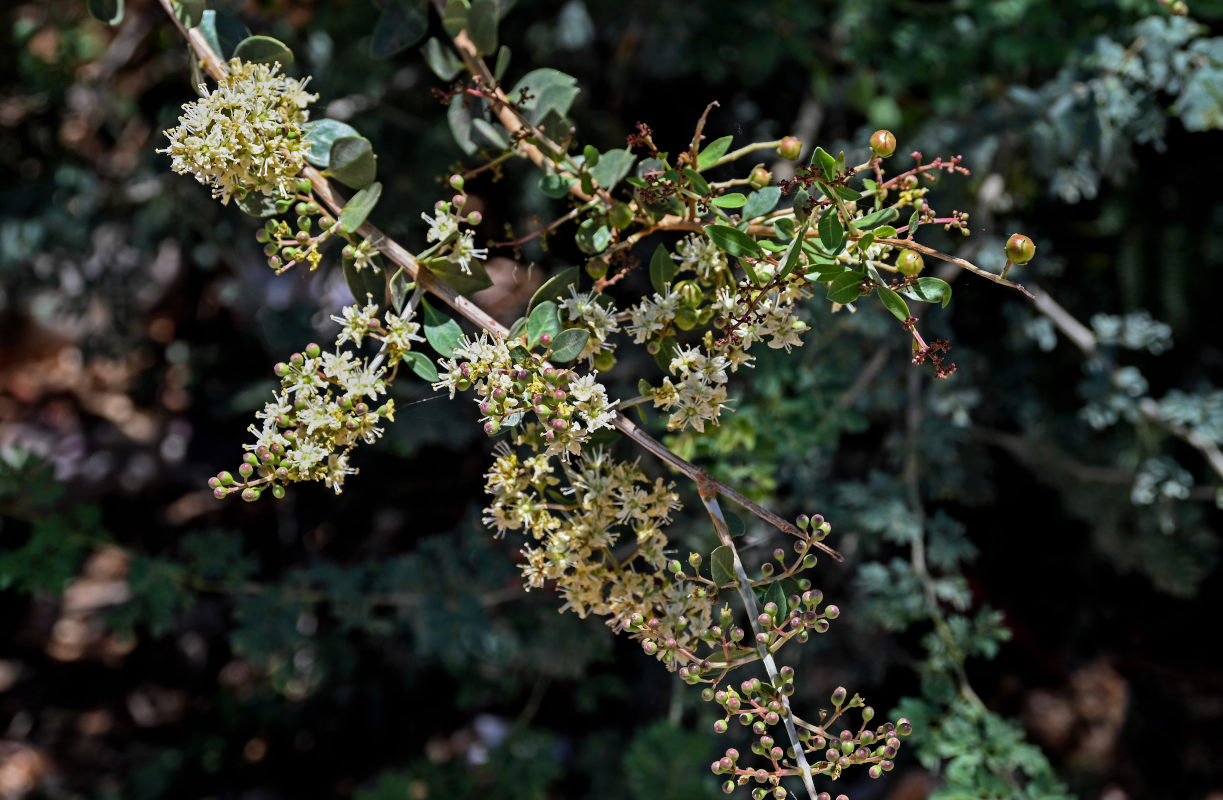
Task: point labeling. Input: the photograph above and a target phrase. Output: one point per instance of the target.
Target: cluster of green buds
(288, 245)
(757, 704)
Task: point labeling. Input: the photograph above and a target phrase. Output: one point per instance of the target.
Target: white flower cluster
(583, 310)
(699, 254)
(771, 315)
(700, 394)
(571, 541)
(326, 406)
(509, 383)
(453, 243)
(245, 135)
(653, 314)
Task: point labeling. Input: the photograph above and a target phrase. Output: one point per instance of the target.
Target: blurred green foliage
(378, 644)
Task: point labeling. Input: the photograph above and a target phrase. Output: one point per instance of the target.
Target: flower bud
(225, 478)
(457, 182)
(838, 696)
(790, 148)
(883, 143)
(475, 218)
(250, 495)
(219, 493)
(278, 491)
(1020, 249)
(719, 726)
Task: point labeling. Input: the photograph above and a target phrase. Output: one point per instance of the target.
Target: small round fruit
(883, 143)
(790, 148)
(1020, 249)
(909, 263)
(759, 178)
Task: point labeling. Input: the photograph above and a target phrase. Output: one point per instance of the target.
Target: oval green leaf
(831, 233)
(442, 333)
(444, 63)
(189, 12)
(352, 161)
(263, 50)
(401, 24)
(555, 287)
(713, 151)
(894, 303)
(844, 288)
(877, 218)
(222, 32)
(662, 269)
(422, 365)
(358, 208)
(363, 283)
(730, 200)
(556, 186)
(482, 26)
(544, 318)
(320, 135)
(593, 236)
(612, 167)
(761, 202)
(732, 241)
(722, 565)
(568, 345)
(929, 290)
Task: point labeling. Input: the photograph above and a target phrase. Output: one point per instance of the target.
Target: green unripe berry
(685, 318)
(303, 186)
(278, 492)
(790, 148)
(596, 268)
(1020, 249)
(759, 177)
(604, 360)
(910, 263)
(621, 216)
(883, 143)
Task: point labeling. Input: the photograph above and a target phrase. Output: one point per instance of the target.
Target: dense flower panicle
(453, 243)
(510, 383)
(699, 254)
(328, 403)
(653, 314)
(570, 542)
(245, 135)
(583, 310)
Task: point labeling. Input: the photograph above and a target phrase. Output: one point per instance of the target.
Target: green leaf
(831, 233)
(503, 63)
(258, 204)
(894, 303)
(801, 198)
(439, 58)
(401, 24)
(784, 228)
(442, 333)
(459, 117)
(549, 90)
(885, 232)
(914, 223)
(847, 194)
(730, 200)
(108, 11)
(732, 241)
(593, 236)
(761, 202)
(544, 318)
(364, 282)
(864, 242)
(877, 218)
(489, 133)
(555, 287)
(776, 594)
(722, 565)
(713, 151)
(792, 252)
(400, 286)
(482, 26)
(612, 167)
(263, 50)
(352, 162)
(358, 208)
(568, 345)
(826, 163)
(666, 352)
(517, 328)
(422, 365)
(454, 18)
(189, 12)
(929, 290)
(464, 282)
(556, 186)
(844, 288)
(222, 32)
(320, 135)
(662, 268)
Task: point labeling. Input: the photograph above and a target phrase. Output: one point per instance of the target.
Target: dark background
(157, 643)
